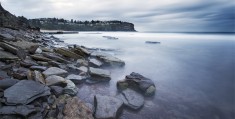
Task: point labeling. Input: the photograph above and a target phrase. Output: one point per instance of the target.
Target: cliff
(73, 25)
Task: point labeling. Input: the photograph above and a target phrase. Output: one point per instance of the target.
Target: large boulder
(132, 99)
(25, 92)
(55, 71)
(100, 74)
(55, 80)
(135, 80)
(108, 59)
(107, 107)
(75, 109)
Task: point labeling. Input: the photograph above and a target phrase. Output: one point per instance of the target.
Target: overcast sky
(147, 15)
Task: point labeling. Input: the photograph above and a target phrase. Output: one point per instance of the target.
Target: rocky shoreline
(39, 80)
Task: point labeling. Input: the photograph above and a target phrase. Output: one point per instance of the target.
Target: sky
(147, 15)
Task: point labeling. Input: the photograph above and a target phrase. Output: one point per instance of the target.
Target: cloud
(150, 15)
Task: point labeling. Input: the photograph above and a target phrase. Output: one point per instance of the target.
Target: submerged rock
(55, 71)
(75, 109)
(25, 92)
(135, 80)
(23, 110)
(107, 107)
(132, 99)
(100, 74)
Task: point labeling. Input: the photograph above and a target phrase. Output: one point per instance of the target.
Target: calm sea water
(194, 73)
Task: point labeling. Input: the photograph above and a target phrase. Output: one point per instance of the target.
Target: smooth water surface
(194, 73)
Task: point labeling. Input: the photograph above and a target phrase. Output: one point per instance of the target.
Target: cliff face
(11, 21)
(73, 25)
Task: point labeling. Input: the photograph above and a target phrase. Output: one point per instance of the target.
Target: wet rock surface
(107, 107)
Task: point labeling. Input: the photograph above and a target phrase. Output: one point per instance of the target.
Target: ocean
(194, 73)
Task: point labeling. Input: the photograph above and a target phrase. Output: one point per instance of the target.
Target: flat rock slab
(39, 68)
(100, 74)
(54, 57)
(107, 107)
(76, 109)
(132, 99)
(67, 53)
(39, 57)
(7, 56)
(55, 71)
(23, 110)
(75, 78)
(95, 63)
(6, 83)
(24, 92)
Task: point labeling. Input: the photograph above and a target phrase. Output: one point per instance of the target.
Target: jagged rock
(107, 107)
(39, 77)
(7, 56)
(23, 110)
(54, 57)
(70, 88)
(100, 74)
(40, 68)
(55, 71)
(56, 90)
(108, 59)
(132, 99)
(67, 53)
(39, 57)
(76, 109)
(75, 78)
(24, 92)
(135, 80)
(54, 80)
(6, 83)
(95, 63)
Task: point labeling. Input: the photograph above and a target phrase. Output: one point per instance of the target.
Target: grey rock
(95, 63)
(28, 63)
(23, 110)
(40, 68)
(55, 80)
(83, 69)
(67, 53)
(54, 63)
(132, 99)
(24, 92)
(54, 57)
(20, 73)
(56, 90)
(75, 78)
(39, 77)
(39, 57)
(38, 51)
(6, 83)
(107, 107)
(7, 56)
(7, 36)
(82, 62)
(70, 88)
(55, 71)
(100, 74)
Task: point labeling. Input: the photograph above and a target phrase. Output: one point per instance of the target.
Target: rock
(39, 77)
(76, 109)
(32, 49)
(70, 88)
(138, 81)
(39, 68)
(56, 90)
(54, 57)
(7, 37)
(83, 69)
(17, 51)
(38, 51)
(152, 42)
(23, 44)
(67, 53)
(55, 80)
(100, 74)
(39, 57)
(107, 107)
(20, 73)
(28, 63)
(54, 63)
(132, 99)
(75, 78)
(43, 63)
(6, 83)
(82, 62)
(95, 63)
(24, 92)
(23, 110)
(7, 56)
(108, 59)
(55, 71)
(80, 51)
